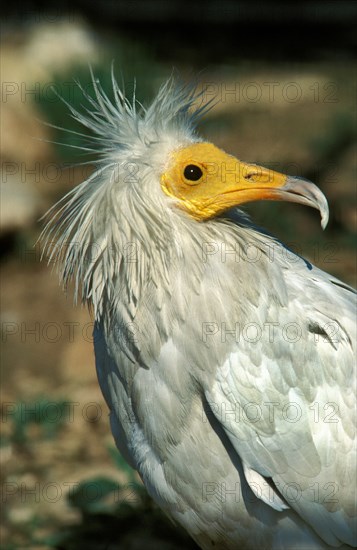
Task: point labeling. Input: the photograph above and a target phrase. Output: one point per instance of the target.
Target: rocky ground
(64, 484)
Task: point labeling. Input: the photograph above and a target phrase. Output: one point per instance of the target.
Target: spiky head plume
(111, 217)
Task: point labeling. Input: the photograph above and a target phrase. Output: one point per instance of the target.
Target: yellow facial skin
(225, 181)
(206, 181)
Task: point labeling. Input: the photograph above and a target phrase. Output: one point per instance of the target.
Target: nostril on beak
(257, 174)
(249, 177)
(253, 175)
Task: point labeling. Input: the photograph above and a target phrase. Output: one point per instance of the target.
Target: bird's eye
(192, 172)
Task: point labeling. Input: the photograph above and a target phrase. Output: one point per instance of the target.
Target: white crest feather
(109, 218)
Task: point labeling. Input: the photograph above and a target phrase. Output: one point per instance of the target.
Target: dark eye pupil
(193, 172)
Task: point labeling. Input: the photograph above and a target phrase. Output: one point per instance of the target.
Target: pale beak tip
(305, 192)
(322, 206)
(324, 216)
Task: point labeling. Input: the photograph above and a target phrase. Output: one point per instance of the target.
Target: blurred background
(284, 77)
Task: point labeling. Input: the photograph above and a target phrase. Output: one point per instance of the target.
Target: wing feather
(294, 402)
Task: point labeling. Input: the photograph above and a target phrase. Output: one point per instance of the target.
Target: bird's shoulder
(284, 390)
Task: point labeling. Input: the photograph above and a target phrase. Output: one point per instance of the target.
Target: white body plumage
(226, 362)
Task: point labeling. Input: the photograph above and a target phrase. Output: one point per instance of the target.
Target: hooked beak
(258, 183)
(222, 182)
(303, 191)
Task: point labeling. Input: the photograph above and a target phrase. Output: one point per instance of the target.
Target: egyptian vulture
(227, 361)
